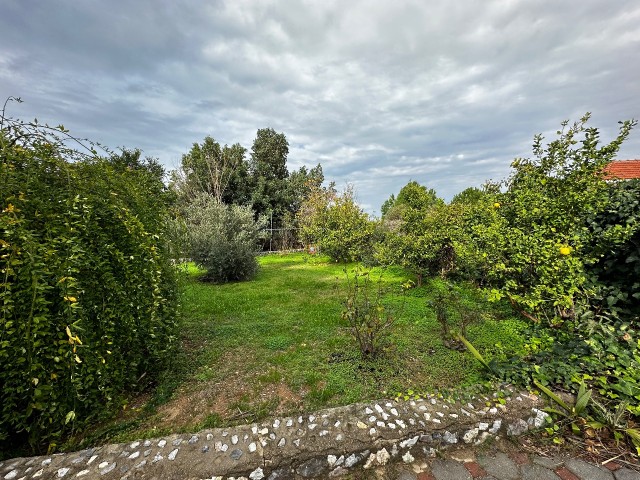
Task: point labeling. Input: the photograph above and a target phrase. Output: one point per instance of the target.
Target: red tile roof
(623, 169)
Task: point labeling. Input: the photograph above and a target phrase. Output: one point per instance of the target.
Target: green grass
(276, 345)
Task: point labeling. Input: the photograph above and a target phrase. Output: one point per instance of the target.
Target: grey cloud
(380, 93)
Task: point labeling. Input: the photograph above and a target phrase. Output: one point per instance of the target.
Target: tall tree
(469, 196)
(388, 203)
(416, 196)
(301, 183)
(269, 155)
(269, 174)
(213, 169)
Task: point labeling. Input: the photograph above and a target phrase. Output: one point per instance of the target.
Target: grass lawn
(277, 345)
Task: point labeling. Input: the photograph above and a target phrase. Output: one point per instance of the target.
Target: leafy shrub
(545, 207)
(615, 246)
(87, 296)
(440, 240)
(223, 239)
(337, 224)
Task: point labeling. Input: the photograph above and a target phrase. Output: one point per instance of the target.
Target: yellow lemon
(565, 250)
(496, 205)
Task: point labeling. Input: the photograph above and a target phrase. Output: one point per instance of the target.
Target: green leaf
(70, 416)
(582, 400)
(474, 352)
(552, 396)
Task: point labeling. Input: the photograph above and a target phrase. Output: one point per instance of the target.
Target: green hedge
(87, 293)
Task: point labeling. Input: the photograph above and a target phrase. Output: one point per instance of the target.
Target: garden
(134, 304)
(277, 345)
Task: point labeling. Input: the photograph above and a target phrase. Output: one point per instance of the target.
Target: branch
(522, 312)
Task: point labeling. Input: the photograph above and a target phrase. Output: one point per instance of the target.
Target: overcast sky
(379, 92)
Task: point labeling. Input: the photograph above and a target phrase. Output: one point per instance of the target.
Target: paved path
(513, 466)
(394, 440)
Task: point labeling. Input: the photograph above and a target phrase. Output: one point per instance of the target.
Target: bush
(337, 224)
(370, 320)
(615, 244)
(223, 239)
(548, 200)
(87, 295)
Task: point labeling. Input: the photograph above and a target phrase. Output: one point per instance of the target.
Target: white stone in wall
(471, 435)
(496, 426)
(370, 461)
(382, 457)
(409, 442)
(408, 458)
(450, 437)
(350, 461)
(257, 474)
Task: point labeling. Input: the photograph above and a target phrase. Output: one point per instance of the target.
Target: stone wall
(324, 444)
